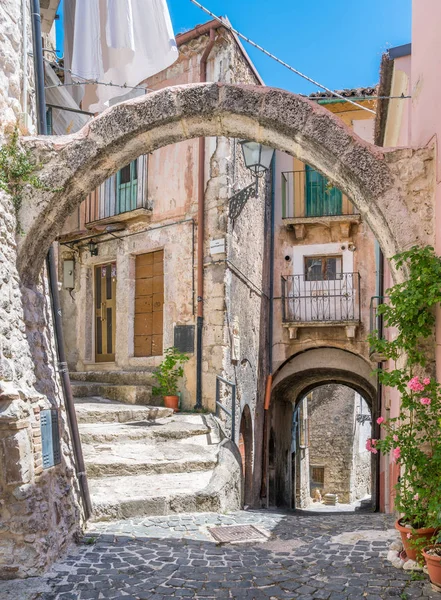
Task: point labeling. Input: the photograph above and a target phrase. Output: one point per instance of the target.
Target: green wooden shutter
(127, 188)
(321, 199)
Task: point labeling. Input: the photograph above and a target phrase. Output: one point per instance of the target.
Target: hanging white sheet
(121, 42)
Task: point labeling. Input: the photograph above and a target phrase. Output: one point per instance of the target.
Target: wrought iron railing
(306, 193)
(230, 412)
(331, 300)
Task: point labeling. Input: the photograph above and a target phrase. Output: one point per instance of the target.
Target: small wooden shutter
(149, 304)
(50, 438)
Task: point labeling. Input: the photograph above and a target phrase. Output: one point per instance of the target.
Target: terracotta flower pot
(172, 402)
(416, 534)
(433, 563)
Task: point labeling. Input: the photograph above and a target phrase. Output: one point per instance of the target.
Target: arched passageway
(246, 453)
(379, 183)
(295, 380)
(332, 468)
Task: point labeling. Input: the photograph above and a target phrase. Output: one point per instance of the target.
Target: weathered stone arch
(311, 368)
(299, 375)
(74, 165)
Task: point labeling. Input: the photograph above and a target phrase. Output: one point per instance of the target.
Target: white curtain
(121, 42)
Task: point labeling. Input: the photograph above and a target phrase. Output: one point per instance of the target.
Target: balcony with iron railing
(309, 198)
(322, 303)
(122, 197)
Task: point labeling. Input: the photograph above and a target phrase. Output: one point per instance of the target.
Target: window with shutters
(120, 194)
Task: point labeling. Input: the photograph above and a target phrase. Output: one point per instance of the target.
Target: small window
(321, 268)
(317, 476)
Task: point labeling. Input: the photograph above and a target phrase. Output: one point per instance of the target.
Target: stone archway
(299, 375)
(379, 183)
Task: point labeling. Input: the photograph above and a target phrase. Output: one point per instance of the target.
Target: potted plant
(413, 437)
(432, 556)
(167, 375)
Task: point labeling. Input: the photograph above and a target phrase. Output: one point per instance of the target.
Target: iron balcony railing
(331, 300)
(307, 193)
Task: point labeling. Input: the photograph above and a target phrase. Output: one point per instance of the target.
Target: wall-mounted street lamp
(93, 248)
(257, 158)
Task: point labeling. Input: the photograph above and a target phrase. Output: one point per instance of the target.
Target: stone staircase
(132, 387)
(143, 460)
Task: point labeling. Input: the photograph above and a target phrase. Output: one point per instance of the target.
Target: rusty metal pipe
(201, 233)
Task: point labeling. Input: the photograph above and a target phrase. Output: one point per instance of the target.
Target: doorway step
(131, 387)
(145, 461)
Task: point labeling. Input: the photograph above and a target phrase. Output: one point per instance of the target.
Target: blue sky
(338, 43)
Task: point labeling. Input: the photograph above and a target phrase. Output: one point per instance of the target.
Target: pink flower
(396, 453)
(425, 401)
(416, 497)
(415, 385)
(426, 381)
(408, 535)
(395, 438)
(380, 420)
(370, 446)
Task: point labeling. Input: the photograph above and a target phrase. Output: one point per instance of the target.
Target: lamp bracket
(238, 201)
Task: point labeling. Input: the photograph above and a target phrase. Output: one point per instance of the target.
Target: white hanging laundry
(87, 60)
(130, 40)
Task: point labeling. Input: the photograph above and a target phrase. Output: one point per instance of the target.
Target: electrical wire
(88, 81)
(281, 62)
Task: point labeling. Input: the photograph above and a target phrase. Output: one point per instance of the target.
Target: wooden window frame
(323, 258)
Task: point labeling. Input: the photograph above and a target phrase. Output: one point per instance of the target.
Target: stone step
(102, 410)
(173, 428)
(147, 457)
(130, 394)
(144, 377)
(148, 495)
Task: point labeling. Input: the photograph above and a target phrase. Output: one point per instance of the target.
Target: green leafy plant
(17, 170)
(168, 373)
(413, 437)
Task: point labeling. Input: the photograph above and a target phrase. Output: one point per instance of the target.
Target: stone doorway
(105, 312)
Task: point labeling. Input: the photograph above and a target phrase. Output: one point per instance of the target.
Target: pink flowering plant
(413, 438)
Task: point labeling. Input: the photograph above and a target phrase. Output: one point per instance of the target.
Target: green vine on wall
(17, 170)
(412, 437)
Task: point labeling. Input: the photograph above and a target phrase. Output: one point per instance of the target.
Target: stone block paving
(308, 557)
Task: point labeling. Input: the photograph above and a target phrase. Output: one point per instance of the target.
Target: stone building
(129, 262)
(325, 274)
(41, 511)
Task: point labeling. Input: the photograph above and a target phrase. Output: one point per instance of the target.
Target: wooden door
(105, 312)
(149, 304)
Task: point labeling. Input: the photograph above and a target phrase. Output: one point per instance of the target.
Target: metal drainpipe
(201, 232)
(53, 279)
(266, 421)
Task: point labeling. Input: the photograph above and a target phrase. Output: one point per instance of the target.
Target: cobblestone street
(322, 557)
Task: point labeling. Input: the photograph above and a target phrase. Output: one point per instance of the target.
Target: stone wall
(39, 509)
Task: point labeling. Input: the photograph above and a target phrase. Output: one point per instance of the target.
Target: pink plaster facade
(415, 122)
